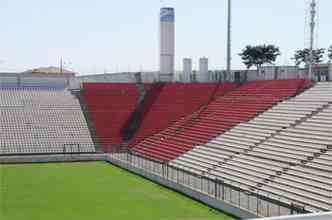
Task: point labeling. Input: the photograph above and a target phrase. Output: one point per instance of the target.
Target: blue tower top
(167, 15)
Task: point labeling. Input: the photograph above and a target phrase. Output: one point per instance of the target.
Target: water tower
(187, 69)
(167, 44)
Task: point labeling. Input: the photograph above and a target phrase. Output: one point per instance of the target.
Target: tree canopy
(302, 56)
(259, 55)
(329, 53)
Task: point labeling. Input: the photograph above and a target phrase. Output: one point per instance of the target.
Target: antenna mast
(313, 12)
(229, 45)
(61, 65)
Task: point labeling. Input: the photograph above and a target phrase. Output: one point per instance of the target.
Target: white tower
(203, 69)
(167, 44)
(187, 69)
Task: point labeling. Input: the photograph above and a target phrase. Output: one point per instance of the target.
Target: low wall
(316, 216)
(52, 158)
(30, 81)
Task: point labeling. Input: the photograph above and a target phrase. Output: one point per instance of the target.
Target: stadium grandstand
(254, 149)
(195, 144)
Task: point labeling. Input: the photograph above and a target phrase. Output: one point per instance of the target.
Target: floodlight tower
(229, 40)
(313, 12)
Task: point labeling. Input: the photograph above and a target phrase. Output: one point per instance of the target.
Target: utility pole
(229, 43)
(312, 40)
(61, 65)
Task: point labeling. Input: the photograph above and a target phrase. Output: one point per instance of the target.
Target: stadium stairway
(148, 95)
(283, 153)
(166, 103)
(218, 117)
(90, 123)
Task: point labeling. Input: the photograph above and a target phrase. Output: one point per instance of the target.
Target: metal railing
(71, 148)
(259, 203)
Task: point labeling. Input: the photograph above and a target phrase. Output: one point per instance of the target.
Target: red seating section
(110, 105)
(215, 118)
(167, 103)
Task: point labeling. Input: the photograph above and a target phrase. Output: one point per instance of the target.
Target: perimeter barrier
(259, 202)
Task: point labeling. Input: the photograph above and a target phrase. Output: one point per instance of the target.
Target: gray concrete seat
(286, 150)
(281, 154)
(277, 144)
(298, 142)
(308, 131)
(214, 151)
(325, 140)
(279, 158)
(297, 197)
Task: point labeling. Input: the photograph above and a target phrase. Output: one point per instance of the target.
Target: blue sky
(97, 35)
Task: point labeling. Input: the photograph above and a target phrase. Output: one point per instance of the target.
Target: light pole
(229, 40)
(312, 33)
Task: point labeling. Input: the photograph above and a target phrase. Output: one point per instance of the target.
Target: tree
(329, 53)
(259, 55)
(302, 56)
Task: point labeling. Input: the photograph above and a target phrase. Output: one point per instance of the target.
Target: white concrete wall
(33, 81)
(74, 83)
(9, 81)
(288, 72)
(267, 73)
(316, 216)
(253, 75)
(147, 77)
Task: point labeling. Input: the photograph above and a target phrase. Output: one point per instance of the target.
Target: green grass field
(90, 191)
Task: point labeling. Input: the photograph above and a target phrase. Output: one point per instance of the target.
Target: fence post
(268, 206)
(239, 197)
(167, 171)
(257, 203)
(279, 209)
(177, 175)
(223, 191)
(292, 208)
(248, 200)
(130, 158)
(163, 169)
(216, 188)
(230, 193)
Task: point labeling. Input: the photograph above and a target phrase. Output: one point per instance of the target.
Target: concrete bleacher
(284, 152)
(218, 117)
(310, 141)
(110, 106)
(166, 103)
(309, 181)
(35, 121)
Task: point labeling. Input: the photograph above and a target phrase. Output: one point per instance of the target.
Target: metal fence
(259, 203)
